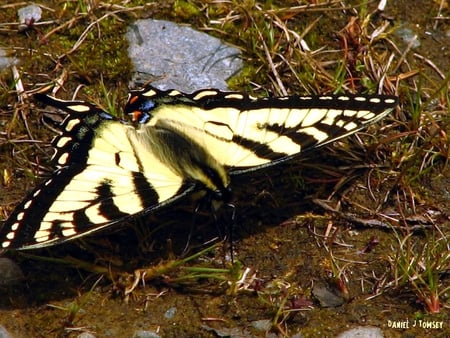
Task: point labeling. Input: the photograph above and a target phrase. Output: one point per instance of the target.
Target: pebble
(408, 36)
(4, 333)
(5, 60)
(86, 335)
(362, 332)
(28, 16)
(170, 313)
(10, 272)
(145, 334)
(262, 325)
(327, 297)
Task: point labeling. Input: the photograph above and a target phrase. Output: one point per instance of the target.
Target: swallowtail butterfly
(109, 170)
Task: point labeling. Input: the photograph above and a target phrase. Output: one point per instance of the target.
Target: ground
(352, 235)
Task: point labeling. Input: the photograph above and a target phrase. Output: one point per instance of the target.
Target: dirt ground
(356, 234)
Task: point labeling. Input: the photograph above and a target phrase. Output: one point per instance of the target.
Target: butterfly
(173, 144)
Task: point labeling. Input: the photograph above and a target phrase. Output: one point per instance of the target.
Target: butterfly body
(109, 170)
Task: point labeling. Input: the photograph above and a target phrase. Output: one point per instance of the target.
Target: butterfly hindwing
(104, 176)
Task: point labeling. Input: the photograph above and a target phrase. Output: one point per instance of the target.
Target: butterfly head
(139, 110)
(222, 195)
(213, 199)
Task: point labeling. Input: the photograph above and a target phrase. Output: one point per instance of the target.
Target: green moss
(185, 9)
(243, 79)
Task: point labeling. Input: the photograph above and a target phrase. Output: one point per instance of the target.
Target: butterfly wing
(245, 134)
(109, 170)
(104, 175)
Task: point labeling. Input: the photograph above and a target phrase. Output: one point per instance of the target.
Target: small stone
(362, 332)
(145, 334)
(10, 272)
(327, 297)
(85, 335)
(170, 313)
(408, 36)
(262, 325)
(4, 333)
(28, 16)
(5, 59)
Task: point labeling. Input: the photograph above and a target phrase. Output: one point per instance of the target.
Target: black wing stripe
(107, 208)
(147, 194)
(259, 149)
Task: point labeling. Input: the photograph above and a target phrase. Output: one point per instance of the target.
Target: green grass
(419, 267)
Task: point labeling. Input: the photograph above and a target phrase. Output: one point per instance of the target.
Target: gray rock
(5, 60)
(173, 56)
(362, 332)
(327, 296)
(10, 272)
(4, 333)
(408, 36)
(28, 16)
(170, 313)
(262, 325)
(145, 334)
(86, 335)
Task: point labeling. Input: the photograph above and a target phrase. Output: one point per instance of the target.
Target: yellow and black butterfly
(108, 169)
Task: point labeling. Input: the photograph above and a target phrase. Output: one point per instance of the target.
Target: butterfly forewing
(245, 134)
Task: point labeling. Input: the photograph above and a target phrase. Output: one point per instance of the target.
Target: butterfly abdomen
(184, 156)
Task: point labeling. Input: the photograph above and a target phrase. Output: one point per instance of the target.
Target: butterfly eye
(139, 116)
